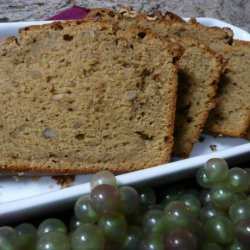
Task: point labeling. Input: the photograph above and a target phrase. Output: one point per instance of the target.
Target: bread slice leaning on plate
(199, 71)
(231, 116)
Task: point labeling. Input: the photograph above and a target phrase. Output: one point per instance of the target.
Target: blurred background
(236, 12)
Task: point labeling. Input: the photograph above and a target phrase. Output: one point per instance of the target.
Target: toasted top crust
(173, 17)
(214, 37)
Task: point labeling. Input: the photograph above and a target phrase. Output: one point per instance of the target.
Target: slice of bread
(83, 96)
(199, 70)
(234, 79)
(231, 117)
(199, 74)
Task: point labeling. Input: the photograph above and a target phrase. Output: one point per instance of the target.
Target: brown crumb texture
(199, 73)
(64, 180)
(213, 147)
(82, 96)
(231, 117)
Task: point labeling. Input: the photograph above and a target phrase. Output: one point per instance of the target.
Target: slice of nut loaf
(199, 71)
(80, 97)
(234, 79)
(199, 74)
(231, 117)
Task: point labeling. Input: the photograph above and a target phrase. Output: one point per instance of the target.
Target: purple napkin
(72, 13)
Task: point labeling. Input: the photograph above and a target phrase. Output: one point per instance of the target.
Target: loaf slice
(199, 71)
(231, 117)
(82, 96)
(234, 80)
(199, 75)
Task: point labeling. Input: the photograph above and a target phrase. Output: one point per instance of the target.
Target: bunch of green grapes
(216, 216)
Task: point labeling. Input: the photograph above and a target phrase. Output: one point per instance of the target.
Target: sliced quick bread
(235, 79)
(199, 71)
(231, 117)
(83, 96)
(199, 74)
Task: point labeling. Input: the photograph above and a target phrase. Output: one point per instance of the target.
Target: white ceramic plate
(20, 197)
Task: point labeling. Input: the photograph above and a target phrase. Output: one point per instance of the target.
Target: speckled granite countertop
(236, 12)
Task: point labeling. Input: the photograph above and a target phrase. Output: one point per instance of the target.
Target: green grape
(150, 219)
(9, 239)
(197, 229)
(176, 215)
(129, 199)
(192, 192)
(70, 234)
(219, 229)
(180, 239)
(147, 195)
(83, 210)
(239, 210)
(242, 231)
(240, 196)
(178, 209)
(202, 179)
(216, 170)
(172, 193)
(153, 241)
(53, 240)
(86, 237)
(209, 211)
(248, 172)
(27, 236)
(211, 246)
(105, 200)
(222, 196)
(235, 245)
(238, 179)
(110, 245)
(136, 217)
(205, 196)
(51, 225)
(164, 224)
(114, 227)
(103, 177)
(74, 223)
(192, 202)
(132, 239)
